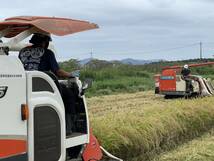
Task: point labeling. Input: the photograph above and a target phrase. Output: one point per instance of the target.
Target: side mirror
(76, 73)
(85, 86)
(87, 83)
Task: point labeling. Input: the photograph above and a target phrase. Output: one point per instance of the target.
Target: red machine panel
(9, 147)
(92, 150)
(168, 80)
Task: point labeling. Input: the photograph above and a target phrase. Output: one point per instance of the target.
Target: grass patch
(119, 79)
(119, 85)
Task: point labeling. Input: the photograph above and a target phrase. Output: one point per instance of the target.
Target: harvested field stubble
(141, 124)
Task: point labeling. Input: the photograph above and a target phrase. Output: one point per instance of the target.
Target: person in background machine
(39, 57)
(186, 72)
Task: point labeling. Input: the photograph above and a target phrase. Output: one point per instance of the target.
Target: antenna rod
(201, 50)
(91, 54)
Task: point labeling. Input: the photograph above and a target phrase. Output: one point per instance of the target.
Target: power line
(155, 51)
(145, 52)
(173, 48)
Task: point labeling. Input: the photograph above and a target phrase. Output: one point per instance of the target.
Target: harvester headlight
(3, 90)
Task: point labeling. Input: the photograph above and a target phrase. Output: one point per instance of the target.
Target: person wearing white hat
(185, 70)
(186, 66)
(185, 74)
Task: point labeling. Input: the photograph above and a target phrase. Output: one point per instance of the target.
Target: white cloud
(126, 25)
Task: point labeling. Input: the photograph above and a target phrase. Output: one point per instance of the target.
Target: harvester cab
(32, 113)
(172, 84)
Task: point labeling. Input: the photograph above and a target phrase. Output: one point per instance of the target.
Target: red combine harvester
(32, 112)
(171, 83)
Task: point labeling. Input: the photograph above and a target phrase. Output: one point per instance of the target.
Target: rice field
(199, 149)
(139, 126)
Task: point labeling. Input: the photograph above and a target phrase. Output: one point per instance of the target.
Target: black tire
(172, 96)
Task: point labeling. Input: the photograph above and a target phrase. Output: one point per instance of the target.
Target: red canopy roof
(52, 25)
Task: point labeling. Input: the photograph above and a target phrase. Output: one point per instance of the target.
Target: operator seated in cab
(186, 72)
(39, 57)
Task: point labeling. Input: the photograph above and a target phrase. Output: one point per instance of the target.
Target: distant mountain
(84, 61)
(137, 62)
(96, 63)
(123, 61)
(134, 61)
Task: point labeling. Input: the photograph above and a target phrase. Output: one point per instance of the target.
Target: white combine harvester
(32, 114)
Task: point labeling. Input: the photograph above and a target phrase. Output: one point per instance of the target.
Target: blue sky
(139, 29)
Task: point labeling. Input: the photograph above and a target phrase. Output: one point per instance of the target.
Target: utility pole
(201, 50)
(91, 54)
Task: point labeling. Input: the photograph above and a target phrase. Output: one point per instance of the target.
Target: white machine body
(41, 137)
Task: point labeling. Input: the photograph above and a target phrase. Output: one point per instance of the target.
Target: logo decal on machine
(167, 77)
(3, 90)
